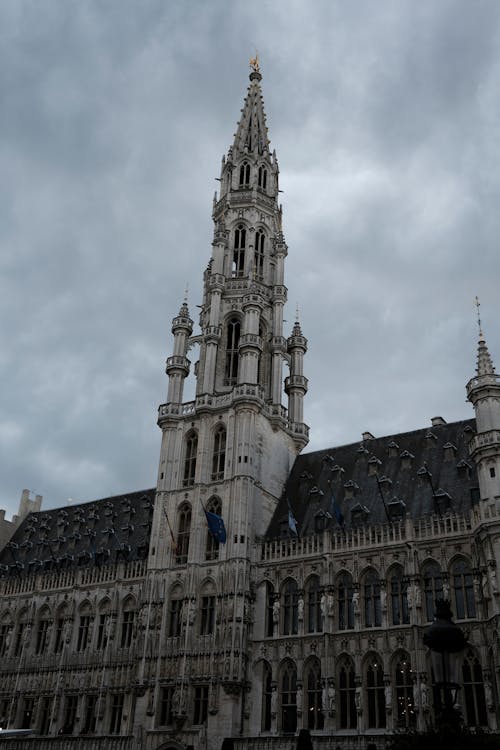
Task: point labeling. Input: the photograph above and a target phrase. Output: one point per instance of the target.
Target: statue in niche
(300, 608)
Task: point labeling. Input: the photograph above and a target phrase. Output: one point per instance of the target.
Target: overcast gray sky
(113, 119)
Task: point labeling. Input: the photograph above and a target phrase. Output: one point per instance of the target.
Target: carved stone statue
(300, 608)
(322, 606)
(424, 695)
(330, 603)
(331, 699)
(488, 694)
(358, 699)
(388, 697)
(355, 602)
(274, 700)
(383, 599)
(276, 611)
(416, 695)
(418, 595)
(298, 699)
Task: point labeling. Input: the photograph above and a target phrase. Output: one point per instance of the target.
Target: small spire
(297, 313)
(184, 311)
(297, 331)
(478, 305)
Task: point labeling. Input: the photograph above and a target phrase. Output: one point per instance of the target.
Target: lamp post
(446, 642)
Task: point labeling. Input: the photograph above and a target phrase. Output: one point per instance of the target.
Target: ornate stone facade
(128, 623)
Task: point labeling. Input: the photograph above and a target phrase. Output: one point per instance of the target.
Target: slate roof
(96, 533)
(349, 472)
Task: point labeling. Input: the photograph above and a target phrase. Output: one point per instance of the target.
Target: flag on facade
(335, 511)
(292, 523)
(174, 543)
(216, 526)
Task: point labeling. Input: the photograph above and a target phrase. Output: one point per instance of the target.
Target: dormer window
(396, 509)
(373, 466)
(350, 488)
(393, 449)
(450, 451)
(464, 469)
(262, 179)
(406, 459)
(359, 514)
(245, 174)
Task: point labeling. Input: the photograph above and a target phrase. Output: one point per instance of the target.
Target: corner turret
(483, 391)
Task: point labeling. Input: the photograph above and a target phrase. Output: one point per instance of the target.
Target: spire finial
(254, 63)
(478, 305)
(297, 313)
(186, 293)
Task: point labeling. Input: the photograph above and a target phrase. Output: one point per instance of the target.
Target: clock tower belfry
(231, 449)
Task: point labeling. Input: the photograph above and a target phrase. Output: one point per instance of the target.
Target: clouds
(113, 121)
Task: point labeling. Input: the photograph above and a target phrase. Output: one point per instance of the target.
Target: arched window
(347, 694)
(219, 454)
(42, 631)
(473, 691)
(84, 622)
(400, 614)
(290, 607)
(5, 631)
(269, 609)
(214, 505)
(313, 606)
(375, 693)
(190, 458)
(288, 684)
(232, 352)
(372, 606)
(245, 174)
(128, 621)
(433, 587)
(259, 254)
(314, 707)
(183, 533)
(207, 609)
(267, 693)
(346, 611)
(463, 590)
(19, 639)
(62, 625)
(262, 180)
(175, 612)
(240, 240)
(403, 680)
(103, 624)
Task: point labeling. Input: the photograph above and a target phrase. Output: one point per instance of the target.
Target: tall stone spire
(251, 134)
(485, 364)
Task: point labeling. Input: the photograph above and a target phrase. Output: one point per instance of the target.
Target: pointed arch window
(433, 588)
(373, 610)
(5, 631)
(42, 633)
(240, 242)
(128, 622)
(219, 454)
(288, 697)
(232, 352)
(313, 606)
(403, 680)
(314, 706)
(183, 533)
(260, 240)
(245, 173)
(175, 613)
(262, 179)
(214, 505)
(290, 608)
(84, 623)
(347, 695)
(399, 599)
(346, 610)
(463, 590)
(473, 691)
(190, 459)
(267, 693)
(375, 694)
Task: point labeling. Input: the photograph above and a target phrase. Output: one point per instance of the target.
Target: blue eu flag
(216, 527)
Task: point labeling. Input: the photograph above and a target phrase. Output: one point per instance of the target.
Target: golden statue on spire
(254, 63)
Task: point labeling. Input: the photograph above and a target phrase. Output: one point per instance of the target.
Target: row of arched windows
(288, 606)
(201, 614)
(239, 247)
(50, 631)
(245, 175)
(191, 453)
(350, 698)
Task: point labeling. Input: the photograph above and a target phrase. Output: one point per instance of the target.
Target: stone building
(128, 623)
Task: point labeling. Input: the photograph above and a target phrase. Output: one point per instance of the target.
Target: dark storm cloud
(113, 121)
